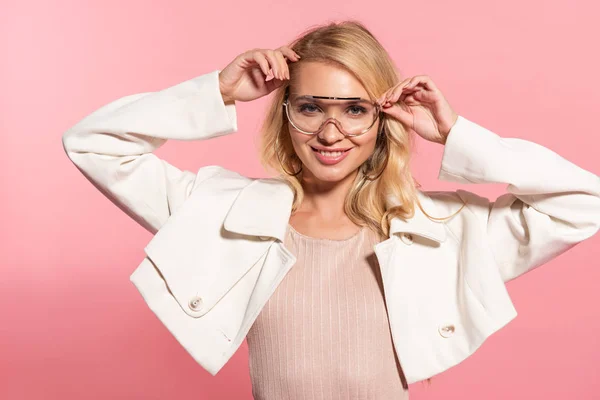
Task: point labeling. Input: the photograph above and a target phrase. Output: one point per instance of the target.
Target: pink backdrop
(74, 327)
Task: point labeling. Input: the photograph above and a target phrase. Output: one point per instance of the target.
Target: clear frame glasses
(353, 116)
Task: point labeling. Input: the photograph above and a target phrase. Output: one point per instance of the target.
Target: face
(319, 79)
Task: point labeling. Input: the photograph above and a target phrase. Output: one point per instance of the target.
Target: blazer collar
(420, 224)
(263, 208)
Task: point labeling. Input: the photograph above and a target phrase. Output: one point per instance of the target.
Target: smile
(330, 158)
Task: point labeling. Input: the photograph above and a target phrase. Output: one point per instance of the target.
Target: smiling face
(319, 79)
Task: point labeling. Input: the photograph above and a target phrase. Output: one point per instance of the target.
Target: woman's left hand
(418, 104)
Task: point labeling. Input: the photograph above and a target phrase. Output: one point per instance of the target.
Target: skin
(416, 102)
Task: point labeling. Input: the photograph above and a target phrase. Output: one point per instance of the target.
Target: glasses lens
(354, 115)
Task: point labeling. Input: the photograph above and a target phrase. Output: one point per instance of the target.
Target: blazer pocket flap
(199, 276)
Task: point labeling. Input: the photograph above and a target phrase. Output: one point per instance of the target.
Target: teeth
(331, 154)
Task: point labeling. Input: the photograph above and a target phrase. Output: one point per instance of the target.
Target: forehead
(320, 79)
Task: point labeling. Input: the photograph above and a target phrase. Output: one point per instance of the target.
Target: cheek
(299, 143)
(365, 148)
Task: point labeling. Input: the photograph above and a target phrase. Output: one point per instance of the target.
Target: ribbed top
(324, 333)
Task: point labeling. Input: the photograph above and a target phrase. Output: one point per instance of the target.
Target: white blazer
(218, 254)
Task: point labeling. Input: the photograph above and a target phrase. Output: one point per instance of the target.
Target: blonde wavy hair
(350, 45)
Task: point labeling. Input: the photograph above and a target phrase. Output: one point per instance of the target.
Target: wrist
(446, 132)
(226, 98)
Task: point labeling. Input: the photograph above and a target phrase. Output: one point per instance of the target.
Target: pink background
(74, 327)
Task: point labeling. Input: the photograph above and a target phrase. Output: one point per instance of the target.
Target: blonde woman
(347, 280)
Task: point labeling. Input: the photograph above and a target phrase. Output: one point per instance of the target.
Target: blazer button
(446, 330)
(196, 303)
(407, 238)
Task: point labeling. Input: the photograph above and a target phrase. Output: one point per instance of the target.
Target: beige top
(324, 333)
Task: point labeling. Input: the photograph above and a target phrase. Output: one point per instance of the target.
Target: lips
(330, 150)
(330, 160)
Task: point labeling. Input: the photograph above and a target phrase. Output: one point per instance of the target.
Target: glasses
(353, 116)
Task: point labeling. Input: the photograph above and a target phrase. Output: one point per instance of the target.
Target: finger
(402, 84)
(270, 55)
(257, 76)
(411, 100)
(273, 84)
(424, 81)
(401, 113)
(393, 93)
(261, 60)
(383, 98)
(282, 65)
(251, 57)
(414, 81)
(412, 95)
(428, 83)
(396, 93)
(403, 97)
(289, 53)
(408, 91)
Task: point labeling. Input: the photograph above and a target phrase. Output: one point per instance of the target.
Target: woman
(347, 280)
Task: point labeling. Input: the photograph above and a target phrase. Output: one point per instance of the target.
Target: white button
(407, 238)
(196, 303)
(446, 330)
(264, 237)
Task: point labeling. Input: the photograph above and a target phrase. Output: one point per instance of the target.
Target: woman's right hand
(244, 78)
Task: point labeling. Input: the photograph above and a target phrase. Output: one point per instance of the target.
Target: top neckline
(326, 240)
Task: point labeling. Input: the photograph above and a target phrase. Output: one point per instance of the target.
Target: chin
(329, 174)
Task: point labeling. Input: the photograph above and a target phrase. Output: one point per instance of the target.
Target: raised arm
(551, 204)
(113, 146)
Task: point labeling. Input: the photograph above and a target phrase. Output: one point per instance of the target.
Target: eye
(308, 107)
(357, 110)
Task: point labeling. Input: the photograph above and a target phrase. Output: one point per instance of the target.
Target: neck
(326, 199)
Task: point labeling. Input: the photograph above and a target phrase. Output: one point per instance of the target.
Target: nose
(330, 133)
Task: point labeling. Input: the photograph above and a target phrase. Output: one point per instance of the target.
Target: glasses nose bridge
(335, 122)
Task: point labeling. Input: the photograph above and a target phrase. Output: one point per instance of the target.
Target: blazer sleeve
(551, 204)
(113, 146)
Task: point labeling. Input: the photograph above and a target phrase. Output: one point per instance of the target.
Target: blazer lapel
(262, 208)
